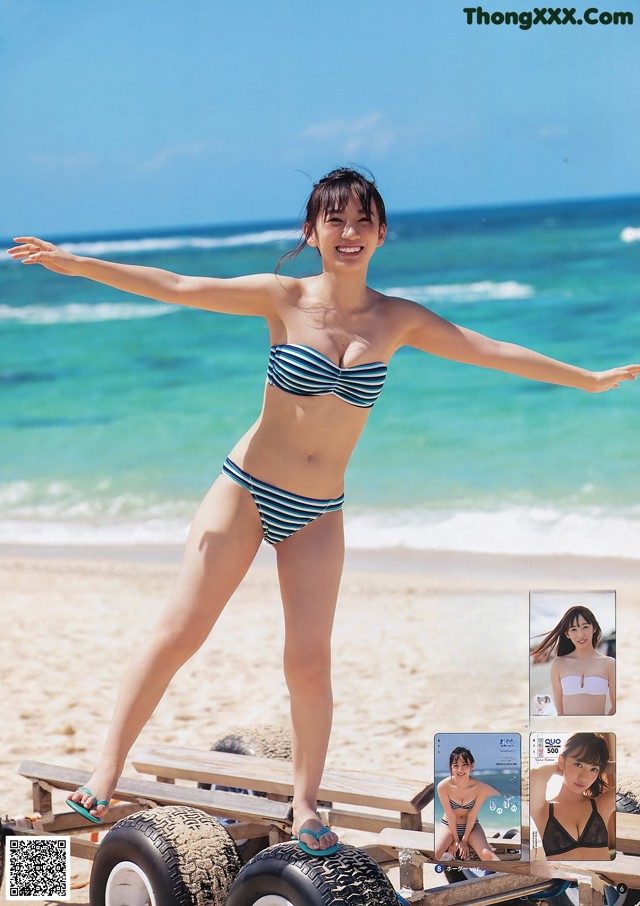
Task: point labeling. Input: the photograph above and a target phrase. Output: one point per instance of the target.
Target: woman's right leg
(443, 840)
(223, 540)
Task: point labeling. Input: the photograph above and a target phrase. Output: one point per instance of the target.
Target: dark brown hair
(589, 748)
(333, 193)
(556, 643)
(462, 753)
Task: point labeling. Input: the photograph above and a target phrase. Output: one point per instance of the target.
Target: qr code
(38, 868)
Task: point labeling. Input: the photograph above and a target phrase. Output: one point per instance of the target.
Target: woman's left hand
(463, 849)
(607, 380)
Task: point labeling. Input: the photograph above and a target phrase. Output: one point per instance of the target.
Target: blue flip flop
(81, 810)
(329, 851)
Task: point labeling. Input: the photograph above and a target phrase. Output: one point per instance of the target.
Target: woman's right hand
(32, 250)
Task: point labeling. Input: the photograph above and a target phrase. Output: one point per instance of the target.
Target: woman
(572, 823)
(581, 676)
(332, 337)
(462, 798)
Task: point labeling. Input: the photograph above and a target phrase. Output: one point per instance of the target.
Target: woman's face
(578, 775)
(580, 633)
(348, 237)
(461, 768)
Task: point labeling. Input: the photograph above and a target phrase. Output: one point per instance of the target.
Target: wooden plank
(41, 799)
(407, 839)
(628, 833)
(270, 775)
(384, 859)
(410, 821)
(411, 873)
(361, 821)
(588, 895)
(484, 890)
(69, 822)
(243, 830)
(621, 870)
(83, 849)
(214, 802)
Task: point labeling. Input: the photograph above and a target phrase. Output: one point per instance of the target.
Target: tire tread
(347, 878)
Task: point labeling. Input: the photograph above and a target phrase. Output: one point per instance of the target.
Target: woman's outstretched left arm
(431, 333)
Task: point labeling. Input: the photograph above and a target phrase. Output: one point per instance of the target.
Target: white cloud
(164, 156)
(366, 133)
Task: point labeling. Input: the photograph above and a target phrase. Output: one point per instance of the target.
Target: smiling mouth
(349, 249)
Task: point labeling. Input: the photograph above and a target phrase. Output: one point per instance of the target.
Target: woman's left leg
(478, 840)
(310, 567)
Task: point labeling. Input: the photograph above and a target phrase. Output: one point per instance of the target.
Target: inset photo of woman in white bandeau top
(572, 653)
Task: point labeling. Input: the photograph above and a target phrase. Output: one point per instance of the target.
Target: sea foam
(630, 234)
(514, 530)
(76, 313)
(171, 243)
(66, 518)
(463, 292)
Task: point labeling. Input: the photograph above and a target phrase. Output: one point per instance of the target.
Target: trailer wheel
(283, 875)
(627, 802)
(170, 856)
(265, 741)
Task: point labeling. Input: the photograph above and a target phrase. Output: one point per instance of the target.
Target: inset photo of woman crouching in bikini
(477, 815)
(572, 650)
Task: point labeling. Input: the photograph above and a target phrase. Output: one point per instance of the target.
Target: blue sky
(487, 749)
(153, 114)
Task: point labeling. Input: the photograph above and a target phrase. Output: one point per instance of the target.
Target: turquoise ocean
(116, 412)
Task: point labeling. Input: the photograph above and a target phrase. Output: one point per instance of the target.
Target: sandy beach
(423, 643)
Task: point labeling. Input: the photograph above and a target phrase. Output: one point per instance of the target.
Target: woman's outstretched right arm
(249, 295)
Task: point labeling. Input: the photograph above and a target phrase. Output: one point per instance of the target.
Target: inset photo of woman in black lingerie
(572, 653)
(572, 789)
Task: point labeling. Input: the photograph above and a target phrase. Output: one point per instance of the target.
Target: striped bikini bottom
(281, 512)
(461, 828)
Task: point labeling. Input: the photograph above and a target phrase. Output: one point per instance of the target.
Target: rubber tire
(348, 878)
(187, 857)
(263, 741)
(627, 802)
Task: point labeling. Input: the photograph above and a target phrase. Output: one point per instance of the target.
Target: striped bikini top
(296, 368)
(455, 805)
